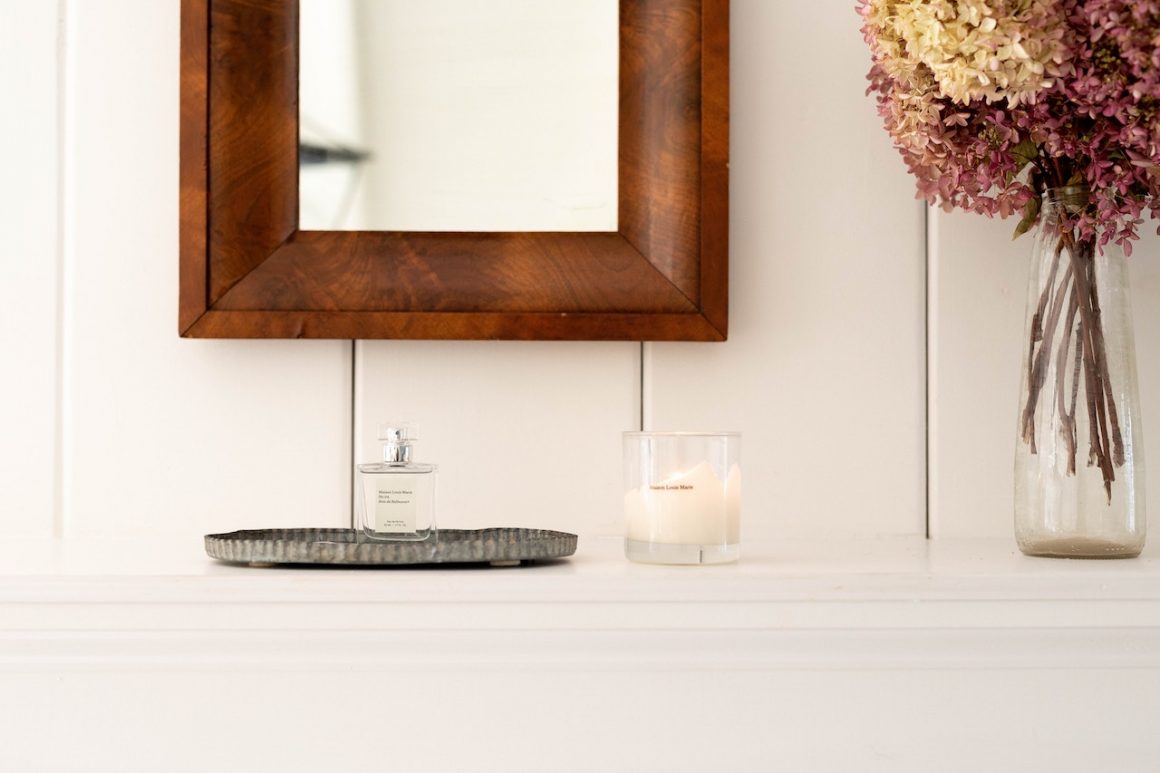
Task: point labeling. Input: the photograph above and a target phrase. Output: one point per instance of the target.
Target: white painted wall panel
(525, 434)
(164, 435)
(978, 281)
(28, 265)
(977, 296)
(824, 369)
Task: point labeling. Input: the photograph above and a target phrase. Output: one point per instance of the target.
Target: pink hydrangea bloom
(990, 103)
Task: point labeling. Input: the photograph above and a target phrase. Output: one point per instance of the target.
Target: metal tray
(347, 547)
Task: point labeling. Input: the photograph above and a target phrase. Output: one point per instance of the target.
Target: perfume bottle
(396, 497)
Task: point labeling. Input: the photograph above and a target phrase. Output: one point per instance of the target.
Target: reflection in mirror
(458, 115)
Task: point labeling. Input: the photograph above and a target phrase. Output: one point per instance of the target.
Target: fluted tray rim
(347, 547)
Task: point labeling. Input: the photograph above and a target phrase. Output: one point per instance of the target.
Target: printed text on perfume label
(395, 509)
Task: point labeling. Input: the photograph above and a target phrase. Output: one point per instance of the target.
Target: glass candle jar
(682, 497)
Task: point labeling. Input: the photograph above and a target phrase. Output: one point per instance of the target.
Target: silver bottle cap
(398, 441)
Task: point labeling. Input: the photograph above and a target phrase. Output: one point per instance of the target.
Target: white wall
(158, 435)
(114, 425)
(823, 370)
(29, 267)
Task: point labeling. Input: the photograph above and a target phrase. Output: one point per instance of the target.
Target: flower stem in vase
(1073, 300)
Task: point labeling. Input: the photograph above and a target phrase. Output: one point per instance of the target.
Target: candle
(682, 499)
(689, 508)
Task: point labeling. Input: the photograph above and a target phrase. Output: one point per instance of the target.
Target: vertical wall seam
(61, 249)
(640, 387)
(926, 365)
(646, 386)
(931, 227)
(352, 428)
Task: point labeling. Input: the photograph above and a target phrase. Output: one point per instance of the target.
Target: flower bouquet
(1045, 109)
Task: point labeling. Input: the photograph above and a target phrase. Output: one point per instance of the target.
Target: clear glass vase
(1079, 458)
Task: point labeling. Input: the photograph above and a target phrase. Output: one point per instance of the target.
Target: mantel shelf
(175, 571)
(790, 604)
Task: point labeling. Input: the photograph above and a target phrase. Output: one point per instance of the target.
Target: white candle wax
(689, 508)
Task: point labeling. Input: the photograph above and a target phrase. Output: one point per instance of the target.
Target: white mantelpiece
(803, 653)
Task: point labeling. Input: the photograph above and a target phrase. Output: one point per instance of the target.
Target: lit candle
(682, 501)
(690, 508)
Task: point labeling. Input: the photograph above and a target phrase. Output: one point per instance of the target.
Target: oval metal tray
(347, 547)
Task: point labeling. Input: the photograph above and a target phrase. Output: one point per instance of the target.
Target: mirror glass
(458, 115)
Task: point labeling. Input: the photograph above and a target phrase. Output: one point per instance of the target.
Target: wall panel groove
(928, 226)
(62, 85)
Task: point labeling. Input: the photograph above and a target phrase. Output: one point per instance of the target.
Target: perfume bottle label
(396, 506)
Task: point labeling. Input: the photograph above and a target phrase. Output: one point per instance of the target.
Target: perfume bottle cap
(397, 432)
(398, 438)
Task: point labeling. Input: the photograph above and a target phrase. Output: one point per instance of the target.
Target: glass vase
(1079, 461)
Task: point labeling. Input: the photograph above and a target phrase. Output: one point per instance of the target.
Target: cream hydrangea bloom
(974, 49)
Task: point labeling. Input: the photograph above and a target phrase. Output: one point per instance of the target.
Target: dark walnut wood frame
(248, 272)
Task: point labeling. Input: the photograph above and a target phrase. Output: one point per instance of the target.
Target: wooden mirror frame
(247, 271)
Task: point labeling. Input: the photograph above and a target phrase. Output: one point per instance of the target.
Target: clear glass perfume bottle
(396, 497)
